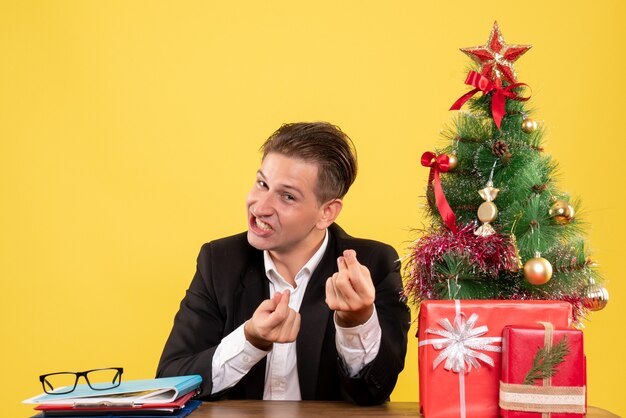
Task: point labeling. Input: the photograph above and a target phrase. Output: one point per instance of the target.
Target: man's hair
(321, 143)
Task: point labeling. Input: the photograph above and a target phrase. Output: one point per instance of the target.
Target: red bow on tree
(487, 86)
(437, 164)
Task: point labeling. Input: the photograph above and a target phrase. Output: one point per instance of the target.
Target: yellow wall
(129, 133)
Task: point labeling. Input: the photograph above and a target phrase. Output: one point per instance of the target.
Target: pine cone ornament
(499, 148)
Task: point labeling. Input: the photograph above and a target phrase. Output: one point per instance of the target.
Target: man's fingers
(283, 304)
(273, 321)
(285, 296)
(293, 326)
(272, 312)
(332, 299)
(289, 328)
(276, 299)
(335, 299)
(353, 265)
(361, 282)
(338, 288)
(268, 305)
(341, 264)
(351, 288)
(359, 274)
(345, 290)
(350, 256)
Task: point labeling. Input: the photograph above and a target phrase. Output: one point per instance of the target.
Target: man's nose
(263, 205)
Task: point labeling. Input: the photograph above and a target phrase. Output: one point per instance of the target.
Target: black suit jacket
(229, 285)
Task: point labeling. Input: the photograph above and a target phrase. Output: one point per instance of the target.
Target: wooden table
(320, 409)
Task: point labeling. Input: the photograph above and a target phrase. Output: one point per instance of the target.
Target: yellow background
(129, 133)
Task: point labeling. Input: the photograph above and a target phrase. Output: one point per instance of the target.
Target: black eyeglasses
(65, 382)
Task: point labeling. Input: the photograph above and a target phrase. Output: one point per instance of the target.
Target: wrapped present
(460, 351)
(543, 373)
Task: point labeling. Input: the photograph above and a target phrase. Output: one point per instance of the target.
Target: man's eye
(261, 184)
(289, 197)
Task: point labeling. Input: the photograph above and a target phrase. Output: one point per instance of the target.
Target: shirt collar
(308, 268)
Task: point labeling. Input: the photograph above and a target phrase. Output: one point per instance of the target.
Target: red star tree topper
(496, 58)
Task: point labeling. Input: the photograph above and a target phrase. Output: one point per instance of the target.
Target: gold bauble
(537, 270)
(595, 296)
(452, 161)
(562, 212)
(529, 125)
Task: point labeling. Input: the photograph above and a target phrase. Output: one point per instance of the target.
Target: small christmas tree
(501, 229)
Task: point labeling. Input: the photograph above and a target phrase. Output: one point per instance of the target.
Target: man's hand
(350, 292)
(273, 322)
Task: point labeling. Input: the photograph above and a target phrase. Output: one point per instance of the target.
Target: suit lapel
(253, 290)
(314, 317)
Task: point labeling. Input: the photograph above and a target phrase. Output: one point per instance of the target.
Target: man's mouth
(262, 225)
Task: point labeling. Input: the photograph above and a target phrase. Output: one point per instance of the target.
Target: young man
(295, 308)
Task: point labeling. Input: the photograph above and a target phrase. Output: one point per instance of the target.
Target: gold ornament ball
(596, 297)
(529, 125)
(537, 271)
(487, 212)
(562, 212)
(452, 161)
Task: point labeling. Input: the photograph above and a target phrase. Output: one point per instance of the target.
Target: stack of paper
(163, 397)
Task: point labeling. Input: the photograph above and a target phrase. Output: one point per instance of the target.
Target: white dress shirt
(235, 356)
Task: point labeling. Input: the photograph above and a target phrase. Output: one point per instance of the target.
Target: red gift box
(562, 395)
(459, 351)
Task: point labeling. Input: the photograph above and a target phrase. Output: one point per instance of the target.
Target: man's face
(284, 215)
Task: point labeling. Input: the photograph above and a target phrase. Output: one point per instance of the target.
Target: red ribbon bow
(437, 164)
(498, 101)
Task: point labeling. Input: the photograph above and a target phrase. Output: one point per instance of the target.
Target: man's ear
(329, 212)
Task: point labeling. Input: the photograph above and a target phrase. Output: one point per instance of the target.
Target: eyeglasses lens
(60, 382)
(104, 379)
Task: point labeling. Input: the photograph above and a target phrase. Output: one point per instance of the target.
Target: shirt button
(365, 335)
(246, 359)
(350, 338)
